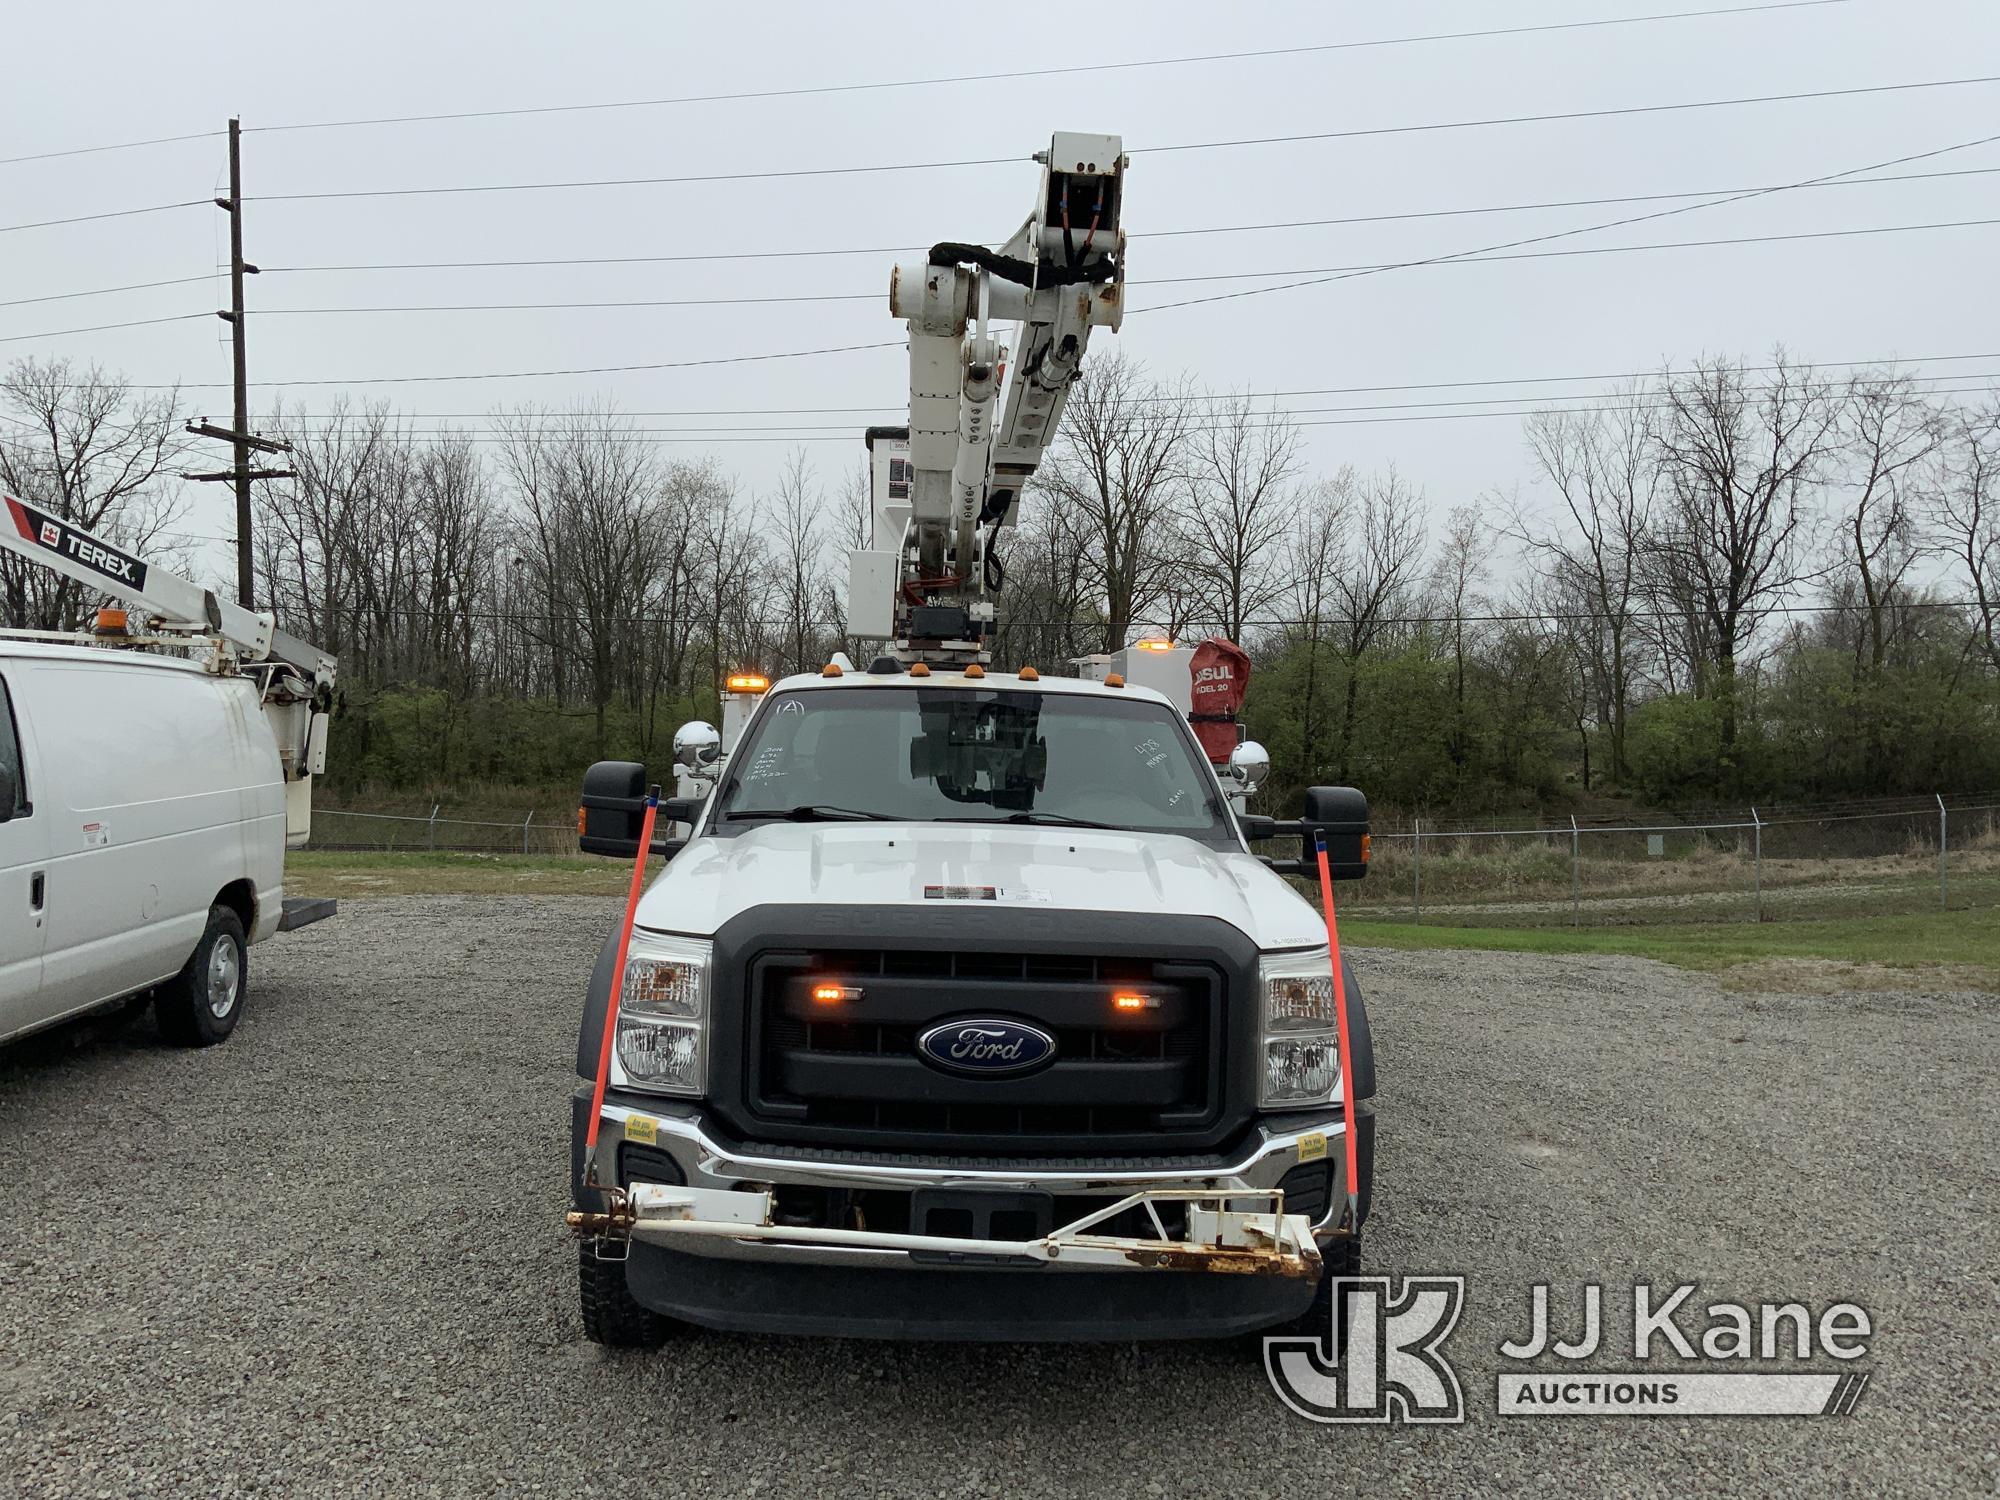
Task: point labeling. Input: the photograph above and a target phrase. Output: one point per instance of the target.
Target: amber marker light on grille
(833, 994)
(1132, 1000)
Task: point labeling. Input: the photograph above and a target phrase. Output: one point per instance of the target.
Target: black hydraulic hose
(1022, 272)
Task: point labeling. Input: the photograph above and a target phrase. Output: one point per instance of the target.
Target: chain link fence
(1761, 864)
(548, 835)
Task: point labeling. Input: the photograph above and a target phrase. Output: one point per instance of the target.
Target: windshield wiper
(1051, 819)
(812, 812)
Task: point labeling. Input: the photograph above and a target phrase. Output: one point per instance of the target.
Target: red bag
(1221, 672)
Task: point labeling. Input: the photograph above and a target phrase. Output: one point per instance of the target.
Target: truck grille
(851, 1069)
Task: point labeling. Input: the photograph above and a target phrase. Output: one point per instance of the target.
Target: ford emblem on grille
(986, 1046)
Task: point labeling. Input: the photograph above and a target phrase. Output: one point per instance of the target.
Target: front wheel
(1342, 1258)
(611, 1315)
(200, 1006)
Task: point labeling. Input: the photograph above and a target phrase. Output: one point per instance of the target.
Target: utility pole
(239, 436)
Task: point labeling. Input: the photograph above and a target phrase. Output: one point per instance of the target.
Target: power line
(116, 213)
(106, 291)
(56, 333)
(158, 140)
(1483, 260)
(1022, 73)
(1434, 213)
(994, 161)
(628, 304)
(1539, 239)
(1340, 390)
(677, 364)
(492, 307)
(786, 431)
(703, 437)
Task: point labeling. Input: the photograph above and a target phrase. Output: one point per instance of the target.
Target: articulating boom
(1061, 275)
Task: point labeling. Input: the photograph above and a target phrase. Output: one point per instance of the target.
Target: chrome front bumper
(1235, 1216)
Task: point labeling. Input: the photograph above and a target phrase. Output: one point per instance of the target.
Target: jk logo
(1387, 1367)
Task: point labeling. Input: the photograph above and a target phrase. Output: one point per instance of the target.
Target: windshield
(952, 754)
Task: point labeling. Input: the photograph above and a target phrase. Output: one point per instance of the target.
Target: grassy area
(323, 873)
(1932, 950)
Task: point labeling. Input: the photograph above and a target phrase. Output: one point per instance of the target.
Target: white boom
(297, 686)
(930, 578)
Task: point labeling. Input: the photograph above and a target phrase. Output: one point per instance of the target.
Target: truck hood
(1062, 869)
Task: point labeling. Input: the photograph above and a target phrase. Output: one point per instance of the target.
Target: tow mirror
(612, 811)
(1340, 815)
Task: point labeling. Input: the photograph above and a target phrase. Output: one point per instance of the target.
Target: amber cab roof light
(748, 682)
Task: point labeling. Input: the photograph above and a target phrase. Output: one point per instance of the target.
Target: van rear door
(24, 859)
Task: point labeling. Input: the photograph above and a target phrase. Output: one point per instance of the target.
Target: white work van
(142, 836)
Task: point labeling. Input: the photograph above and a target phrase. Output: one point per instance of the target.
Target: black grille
(852, 1068)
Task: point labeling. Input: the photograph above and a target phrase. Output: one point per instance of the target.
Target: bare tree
(1050, 614)
(1887, 434)
(1605, 473)
(82, 446)
(314, 533)
(1965, 515)
(588, 491)
(1456, 574)
(1240, 463)
(1313, 556)
(1113, 478)
(1373, 579)
(1740, 467)
(796, 514)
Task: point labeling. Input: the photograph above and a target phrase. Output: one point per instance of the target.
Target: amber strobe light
(748, 682)
(1131, 1000)
(833, 994)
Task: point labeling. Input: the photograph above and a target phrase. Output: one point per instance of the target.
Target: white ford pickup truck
(965, 1011)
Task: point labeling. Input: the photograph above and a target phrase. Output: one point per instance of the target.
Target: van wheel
(611, 1315)
(199, 1006)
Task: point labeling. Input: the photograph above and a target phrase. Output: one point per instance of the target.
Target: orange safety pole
(1346, 1047)
(618, 983)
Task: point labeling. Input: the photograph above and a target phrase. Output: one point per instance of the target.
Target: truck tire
(200, 1006)
(610, 1316)
(1343, 1258)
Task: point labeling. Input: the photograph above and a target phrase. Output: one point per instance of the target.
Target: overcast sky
(87, 75)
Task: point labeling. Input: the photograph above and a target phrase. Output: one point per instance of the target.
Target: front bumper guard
(1218, 1237)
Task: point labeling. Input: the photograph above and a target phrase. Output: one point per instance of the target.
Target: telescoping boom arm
(296, 679)
(1059, 277)
(174, 606)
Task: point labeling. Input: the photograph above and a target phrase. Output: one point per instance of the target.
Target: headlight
(662, 1037)
(1300, 1026)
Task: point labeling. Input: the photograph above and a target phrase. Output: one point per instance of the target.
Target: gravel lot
(328, 1256)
